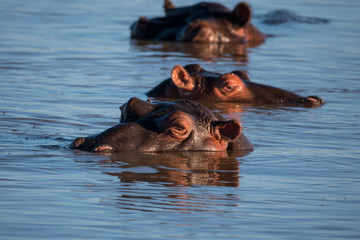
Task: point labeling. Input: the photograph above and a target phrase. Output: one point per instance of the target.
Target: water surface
(66, 67)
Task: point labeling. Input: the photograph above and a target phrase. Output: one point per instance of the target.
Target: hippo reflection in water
(201, 23)
(185, 168)
(167, 126)
(193, 82)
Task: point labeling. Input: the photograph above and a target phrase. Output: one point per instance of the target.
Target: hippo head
(200, 23)
(167, 126)
(210, 26)
(195, 83)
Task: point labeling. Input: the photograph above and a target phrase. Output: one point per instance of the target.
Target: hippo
(195, 83)
(182, 125)
(281, 16)
(200, 23)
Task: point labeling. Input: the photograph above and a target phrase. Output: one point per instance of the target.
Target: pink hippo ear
(227, 130)
(242, 13)
(182, 79)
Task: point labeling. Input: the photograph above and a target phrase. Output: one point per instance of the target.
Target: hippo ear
(227, 130)
(242, 13)
(182, 79)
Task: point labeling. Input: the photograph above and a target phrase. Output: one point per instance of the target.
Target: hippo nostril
(137, 104)
(135, 109)
(77, 142)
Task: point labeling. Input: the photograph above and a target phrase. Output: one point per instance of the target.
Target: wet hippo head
(222, 26)
(169, 126)
(194, 82)
(200, 23)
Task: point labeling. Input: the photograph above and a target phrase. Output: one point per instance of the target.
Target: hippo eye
(177, 131)
(178, 125)
(230, 88)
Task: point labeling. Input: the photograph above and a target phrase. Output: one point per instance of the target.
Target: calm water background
(66, 67)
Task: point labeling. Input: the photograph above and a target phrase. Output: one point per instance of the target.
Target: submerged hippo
(167, 126)
(194, 82)
(284, 16)
(201, 23)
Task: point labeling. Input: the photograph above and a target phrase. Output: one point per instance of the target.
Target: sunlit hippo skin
(195, 83)
(167, 126)
(200, 23)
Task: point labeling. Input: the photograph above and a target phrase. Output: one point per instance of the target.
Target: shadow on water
(177, 168)
(205, 52)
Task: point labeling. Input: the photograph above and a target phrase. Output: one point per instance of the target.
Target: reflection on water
(67, 66)
(205, 52)
(179, 168)
(174, 171)
(229, 108)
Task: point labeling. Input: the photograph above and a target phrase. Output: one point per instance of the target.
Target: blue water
(66, 67)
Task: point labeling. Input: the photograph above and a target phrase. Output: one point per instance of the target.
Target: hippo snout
(313, 101)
